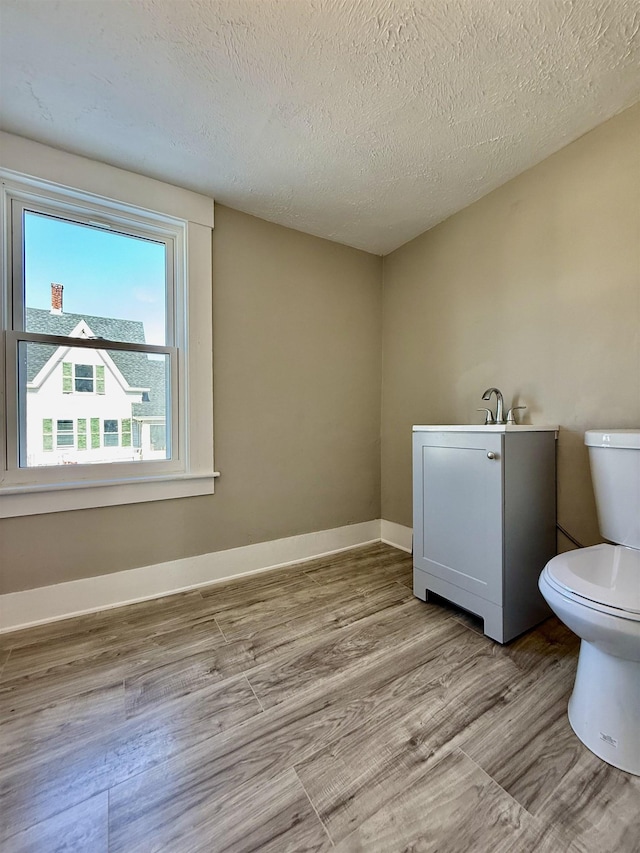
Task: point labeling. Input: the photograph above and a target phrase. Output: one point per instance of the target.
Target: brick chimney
(56, 298)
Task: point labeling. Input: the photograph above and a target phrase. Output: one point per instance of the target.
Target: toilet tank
(615, 470)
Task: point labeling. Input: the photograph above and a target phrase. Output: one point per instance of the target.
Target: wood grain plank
(331, 657)
(25, 739)
(263, 586)
(350, 559)
(153, 688)
(29, 693)
(147, 685)
(376, 562)
(175, 646)
(37, 657)
(131, 620)
(89, 766)
(322, 619)
(452, 808)
(523, 745)
(4, 657)
(270, 816)
(595, 803)
(532, 752)
(47, 684)
(163, 636)
(245, 620)
(53, 630)
(353, 777)
(161, 614)
(550, 645)
(278, 739)
(81, 829)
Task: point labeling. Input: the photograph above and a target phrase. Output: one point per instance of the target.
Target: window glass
(158, 437)
(84, 378)
(124, 420)
(114, 282)
(111, 433)
(65, 434)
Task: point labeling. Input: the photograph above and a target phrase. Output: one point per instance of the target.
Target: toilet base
(604, 709)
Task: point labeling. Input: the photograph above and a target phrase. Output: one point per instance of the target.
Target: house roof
(155, 406)
(137, 368)
(44, 321)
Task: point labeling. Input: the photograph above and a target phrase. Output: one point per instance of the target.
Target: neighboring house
(86, 405)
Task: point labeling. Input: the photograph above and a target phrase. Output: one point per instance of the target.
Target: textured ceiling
(363, 121)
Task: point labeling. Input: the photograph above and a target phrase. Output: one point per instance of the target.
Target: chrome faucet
(499, 403)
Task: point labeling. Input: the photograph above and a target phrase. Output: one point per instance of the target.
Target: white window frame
(116, 433)
(189, 471)
(76, 378)
(59, 432)
(85, 212)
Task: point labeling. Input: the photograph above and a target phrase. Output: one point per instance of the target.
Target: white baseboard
(397, 535)
(74, 598)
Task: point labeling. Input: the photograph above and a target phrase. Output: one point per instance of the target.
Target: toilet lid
(604, 574)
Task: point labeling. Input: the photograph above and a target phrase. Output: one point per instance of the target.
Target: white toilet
(596, 592)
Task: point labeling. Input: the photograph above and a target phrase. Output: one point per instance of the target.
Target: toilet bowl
(596, 593)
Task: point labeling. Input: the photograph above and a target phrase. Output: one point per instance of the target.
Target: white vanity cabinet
(484, 520)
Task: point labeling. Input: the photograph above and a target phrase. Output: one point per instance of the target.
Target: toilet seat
(616, 612)
(603, 577)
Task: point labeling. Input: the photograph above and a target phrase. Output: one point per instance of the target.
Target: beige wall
(535, 289)
(297, 336)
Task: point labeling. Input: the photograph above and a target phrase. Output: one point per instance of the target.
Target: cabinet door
(458, 522)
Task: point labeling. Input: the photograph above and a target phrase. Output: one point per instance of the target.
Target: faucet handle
(488, 418)
(511, 418)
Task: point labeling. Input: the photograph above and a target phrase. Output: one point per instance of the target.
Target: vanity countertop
(485, 428)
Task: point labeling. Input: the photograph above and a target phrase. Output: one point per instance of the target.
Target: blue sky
(104, 273)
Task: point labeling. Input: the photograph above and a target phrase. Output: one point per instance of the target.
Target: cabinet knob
(491, 455)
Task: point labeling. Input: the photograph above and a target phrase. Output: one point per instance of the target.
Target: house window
(85, 378)
(110, 435)
(71, 330)
(97, 335)
(158, 437)
(64, 434)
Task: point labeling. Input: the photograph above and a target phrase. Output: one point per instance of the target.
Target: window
(158, 437)
(97, 356)
(67, 337)
(85, 378)
(111, 434)
(64, 434)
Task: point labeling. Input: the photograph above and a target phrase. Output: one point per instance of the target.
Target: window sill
(36, 500)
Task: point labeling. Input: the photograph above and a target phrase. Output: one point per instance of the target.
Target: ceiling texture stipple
(363, 121)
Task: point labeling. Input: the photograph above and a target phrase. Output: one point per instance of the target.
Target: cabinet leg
(419, 586)
(494, 623)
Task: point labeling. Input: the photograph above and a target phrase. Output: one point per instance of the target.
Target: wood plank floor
(315, 707)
